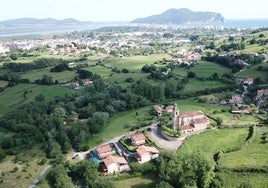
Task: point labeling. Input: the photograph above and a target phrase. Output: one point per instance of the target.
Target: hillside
(182, 16)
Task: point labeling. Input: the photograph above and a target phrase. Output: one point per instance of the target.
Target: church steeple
(175, 117)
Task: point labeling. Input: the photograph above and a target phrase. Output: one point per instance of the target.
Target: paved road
(162, 142)
(40, 175)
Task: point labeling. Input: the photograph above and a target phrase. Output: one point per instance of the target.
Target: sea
(16, 32)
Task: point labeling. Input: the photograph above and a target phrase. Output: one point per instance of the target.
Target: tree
(59, 178)
(191, 74)
(185, 170)
(13, 56)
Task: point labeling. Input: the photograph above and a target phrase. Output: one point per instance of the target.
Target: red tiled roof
(185, 127)
(201, 120)
(104, 149)
(138, 137)
(190, 114)
(142, 150)
(114, 159)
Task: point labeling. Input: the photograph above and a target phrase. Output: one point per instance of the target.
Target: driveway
(162, 142)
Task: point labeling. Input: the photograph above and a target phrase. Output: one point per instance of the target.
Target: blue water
(251, 23)
(11, 32)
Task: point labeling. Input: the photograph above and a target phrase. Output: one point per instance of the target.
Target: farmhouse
(104, 151)
(114, 164)
(189, 121)
(138, 139)
(248, 81)
(262, 94)
(146, 153)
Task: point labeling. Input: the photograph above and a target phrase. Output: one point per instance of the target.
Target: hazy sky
(126, 10)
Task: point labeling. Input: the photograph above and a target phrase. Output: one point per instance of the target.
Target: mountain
(34, 21)
(182, 16)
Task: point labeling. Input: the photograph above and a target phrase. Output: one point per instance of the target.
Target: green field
(13, 97)
(138, 182)
(235, 179)
(213, 141)
(196, 85)
(252, 72)
(253, 153)
(134, 63)
(238, 154)
(62, 77)
(203, 69)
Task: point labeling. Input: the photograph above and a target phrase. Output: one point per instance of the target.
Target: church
(189, 121)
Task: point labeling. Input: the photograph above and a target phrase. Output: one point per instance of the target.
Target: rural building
(114, 164)
(262, 94)
(236, 99)
(189, 121)
(104, 151)
(248, 81)
(146, 153)
(138, 139)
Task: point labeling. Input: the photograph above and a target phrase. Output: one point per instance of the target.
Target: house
(261, 94)
(249, 81)
(159, 110)
(146, 153)
(236, 99)
(104, 151)
(138, 139)
(244, 111)
(189, 121)
(114, 164)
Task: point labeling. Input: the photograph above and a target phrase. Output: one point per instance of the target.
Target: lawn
(22, 169)
(62, 77)
(137, 182)
(13, 97)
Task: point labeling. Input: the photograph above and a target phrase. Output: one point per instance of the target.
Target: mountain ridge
(182, 16)
(36, 21)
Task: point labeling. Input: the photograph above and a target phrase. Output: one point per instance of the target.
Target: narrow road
(35, 182)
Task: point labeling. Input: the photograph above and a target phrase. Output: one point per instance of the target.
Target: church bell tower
(175, 117)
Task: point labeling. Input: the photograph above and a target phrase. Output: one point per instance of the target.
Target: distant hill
(34, 21)
(182, 16)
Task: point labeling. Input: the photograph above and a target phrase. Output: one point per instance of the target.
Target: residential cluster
(114, 157)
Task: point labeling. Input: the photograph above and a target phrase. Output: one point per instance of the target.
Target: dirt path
(35, 182)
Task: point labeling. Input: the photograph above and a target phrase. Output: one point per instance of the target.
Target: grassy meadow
(137, 182)
(22, 169)
(62, 77)
(13, 97)
(239, 153)
(203, 69)
(210, 142)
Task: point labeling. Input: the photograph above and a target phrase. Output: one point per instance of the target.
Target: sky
(126, 10)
